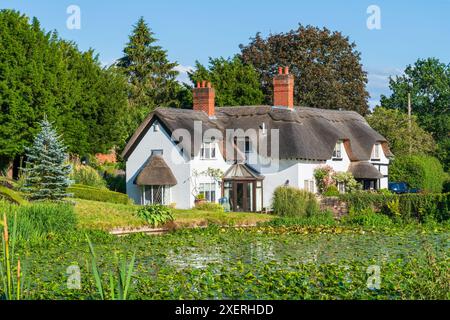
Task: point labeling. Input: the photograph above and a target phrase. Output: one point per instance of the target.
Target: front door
(243, 195)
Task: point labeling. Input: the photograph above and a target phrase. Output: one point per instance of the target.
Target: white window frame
(208, 188)
(337, 152)
(207, 149)
(376, 152)
(165, 195)
(159, 152)
(309, 185)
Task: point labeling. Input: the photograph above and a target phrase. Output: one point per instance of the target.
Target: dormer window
(208, 151)
(376, 152)
(248, 145)
(263, 129)
(337, 152)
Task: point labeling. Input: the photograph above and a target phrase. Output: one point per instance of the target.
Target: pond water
(296, 249)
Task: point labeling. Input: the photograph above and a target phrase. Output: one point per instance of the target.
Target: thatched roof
(305, 133)
(364, 170)
(156, 172)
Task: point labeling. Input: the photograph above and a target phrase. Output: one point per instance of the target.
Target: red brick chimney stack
(283, 89)
(204, 96)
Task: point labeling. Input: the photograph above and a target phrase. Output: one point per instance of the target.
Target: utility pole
(409, 122)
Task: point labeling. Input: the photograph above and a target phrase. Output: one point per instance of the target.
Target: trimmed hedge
(11, 196)
(96, 194)
(406, 206)
(422, 172)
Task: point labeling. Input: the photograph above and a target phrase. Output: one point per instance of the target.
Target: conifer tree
(151, 76)
(46, 172)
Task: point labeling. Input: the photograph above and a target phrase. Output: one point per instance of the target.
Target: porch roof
(364, 170)
(242, 171)
(156, 172)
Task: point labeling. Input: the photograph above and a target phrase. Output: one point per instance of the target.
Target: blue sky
(198, 29)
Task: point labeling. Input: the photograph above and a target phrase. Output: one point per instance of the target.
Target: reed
(12, 281)
(119, 284)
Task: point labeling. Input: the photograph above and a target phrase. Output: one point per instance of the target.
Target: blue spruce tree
(46, 172)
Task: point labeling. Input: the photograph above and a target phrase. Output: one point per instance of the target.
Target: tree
(46, 172)
(428, 82)
(393, 124)
(151, 76)
(327, 68)
(43, 74)
(236, 84)
(422, 172)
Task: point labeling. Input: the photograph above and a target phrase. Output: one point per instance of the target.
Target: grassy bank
(107, 216)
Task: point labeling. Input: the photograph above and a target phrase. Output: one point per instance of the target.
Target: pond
(259, 263)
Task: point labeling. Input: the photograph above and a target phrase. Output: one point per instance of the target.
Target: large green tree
(403, 138)
(151, 76)
(43, 74)
(428, 82)
(327, 68)
(236, 84)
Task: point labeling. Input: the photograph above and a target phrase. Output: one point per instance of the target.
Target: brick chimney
(204, 97)
(283, 89)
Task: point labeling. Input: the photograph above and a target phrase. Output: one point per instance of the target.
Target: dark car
(401, 187)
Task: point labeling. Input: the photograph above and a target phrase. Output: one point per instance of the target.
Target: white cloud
(378, 83)
(183, 76)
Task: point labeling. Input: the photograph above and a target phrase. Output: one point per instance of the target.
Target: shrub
(324, 218)
(351, 185)
(88, 176)
(446, 185)
(324, 177)
(331, 191)
(200, 196)
(96, 194)
(407, 206)
(422, 172)
(291, 202)
(156, 214)
(11, 196)
(367, 218)
(116, 182)
(209, 206)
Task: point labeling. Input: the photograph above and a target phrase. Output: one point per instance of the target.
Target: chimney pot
(283, 89)
(203, 97)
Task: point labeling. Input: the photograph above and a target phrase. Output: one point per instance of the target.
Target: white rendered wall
(159, 140)
(383, 166)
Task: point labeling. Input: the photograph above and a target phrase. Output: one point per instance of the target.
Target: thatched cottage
(243, 153)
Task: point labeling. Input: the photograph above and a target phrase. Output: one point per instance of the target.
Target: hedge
(11, 196)
(422, 172)
(416, 206)
(96, 194)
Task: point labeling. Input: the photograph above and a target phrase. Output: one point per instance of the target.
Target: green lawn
(108, 216)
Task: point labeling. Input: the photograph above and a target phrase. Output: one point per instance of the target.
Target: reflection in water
(318, 249)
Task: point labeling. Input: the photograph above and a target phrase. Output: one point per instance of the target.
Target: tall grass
(36, 222)
(12, 279)
(119, 284)
(292, 202)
